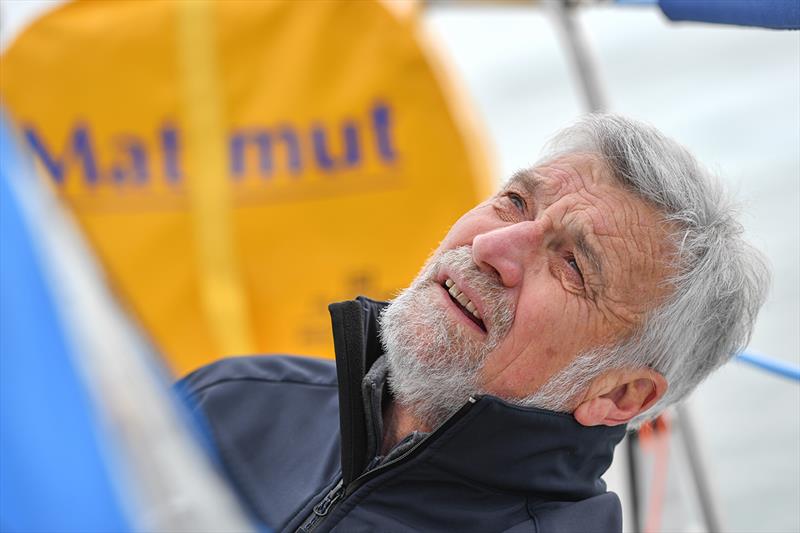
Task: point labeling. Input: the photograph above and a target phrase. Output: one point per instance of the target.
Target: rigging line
(221, 286)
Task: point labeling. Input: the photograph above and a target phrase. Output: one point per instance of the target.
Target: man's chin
(430, 396)
(434, 356)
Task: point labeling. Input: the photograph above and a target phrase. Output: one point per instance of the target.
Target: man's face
(560, 262)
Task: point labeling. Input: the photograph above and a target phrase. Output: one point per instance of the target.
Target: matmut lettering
(283, 149)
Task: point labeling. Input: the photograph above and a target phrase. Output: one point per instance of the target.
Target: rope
(774, 366)
(654, 437)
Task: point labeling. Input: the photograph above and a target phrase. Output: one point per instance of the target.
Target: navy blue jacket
(298, 437)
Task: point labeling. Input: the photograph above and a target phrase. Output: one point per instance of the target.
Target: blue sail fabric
(54, 475)
(776, 14)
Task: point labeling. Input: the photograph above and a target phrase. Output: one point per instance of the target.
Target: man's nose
(509, 250)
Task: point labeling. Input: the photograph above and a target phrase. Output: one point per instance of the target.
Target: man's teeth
(461, 297)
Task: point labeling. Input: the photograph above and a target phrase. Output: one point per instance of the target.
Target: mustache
(498, 306)
(460, 260)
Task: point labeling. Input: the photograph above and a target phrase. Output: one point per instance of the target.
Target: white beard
(434, 360)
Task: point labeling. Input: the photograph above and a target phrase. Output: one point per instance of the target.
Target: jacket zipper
(337, 493)
(322, 509)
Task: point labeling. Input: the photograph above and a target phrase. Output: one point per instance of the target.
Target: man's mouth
(463, 303)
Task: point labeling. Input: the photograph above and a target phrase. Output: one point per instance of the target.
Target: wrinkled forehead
(567, 174)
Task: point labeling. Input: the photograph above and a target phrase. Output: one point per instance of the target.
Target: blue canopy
(776, 14)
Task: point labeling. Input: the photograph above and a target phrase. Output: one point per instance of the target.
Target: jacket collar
(491, 442)
(357, 346)
(539, 452)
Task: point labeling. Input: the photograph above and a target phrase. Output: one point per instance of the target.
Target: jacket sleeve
(273, 422)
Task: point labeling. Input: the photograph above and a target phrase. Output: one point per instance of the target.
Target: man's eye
(574, 266)
(517, 200)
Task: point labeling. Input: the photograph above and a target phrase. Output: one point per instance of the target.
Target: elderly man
(592, 291)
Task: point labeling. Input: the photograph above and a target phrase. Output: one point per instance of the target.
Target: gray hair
(720, 282)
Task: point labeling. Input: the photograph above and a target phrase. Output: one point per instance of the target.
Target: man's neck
(398, 423)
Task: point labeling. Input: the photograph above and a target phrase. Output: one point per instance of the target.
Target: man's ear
(619, 395)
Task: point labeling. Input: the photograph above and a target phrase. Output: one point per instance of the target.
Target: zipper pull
(322, 508)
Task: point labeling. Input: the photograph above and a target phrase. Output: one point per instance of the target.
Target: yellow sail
(237, 165)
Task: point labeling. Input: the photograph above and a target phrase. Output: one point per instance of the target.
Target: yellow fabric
(345, 155)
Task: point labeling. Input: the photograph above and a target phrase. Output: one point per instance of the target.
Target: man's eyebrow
(527, 180)
(588, 251)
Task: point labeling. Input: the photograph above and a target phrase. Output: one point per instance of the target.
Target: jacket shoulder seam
(222, 381)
